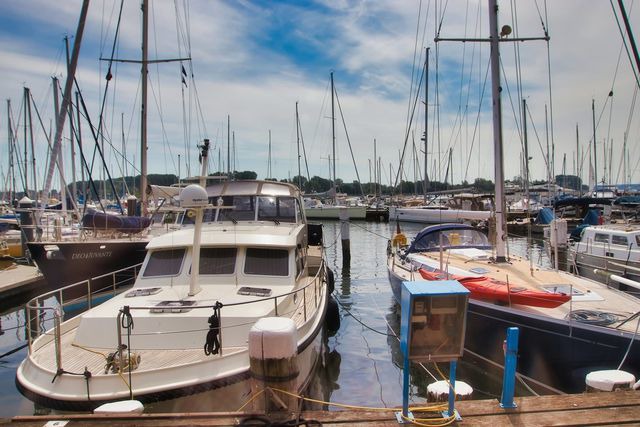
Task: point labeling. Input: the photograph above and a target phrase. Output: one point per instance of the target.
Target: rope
(630, 343)
(212, 344)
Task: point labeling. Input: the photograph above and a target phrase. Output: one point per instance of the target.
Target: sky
(252, 61)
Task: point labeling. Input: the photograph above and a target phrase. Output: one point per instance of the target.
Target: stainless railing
(36, 314)
(78, 296)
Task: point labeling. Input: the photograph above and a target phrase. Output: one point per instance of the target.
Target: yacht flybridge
(183, 327)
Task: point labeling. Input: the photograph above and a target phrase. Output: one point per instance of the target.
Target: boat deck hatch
(173, 307)
(256, 292)
(143, 292)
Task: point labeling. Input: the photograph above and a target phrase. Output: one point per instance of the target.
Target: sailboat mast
(333, 137)
(595, 155)
(426, 120)
(74, 187)
(298, 146)
(143, 106)
(497, 133)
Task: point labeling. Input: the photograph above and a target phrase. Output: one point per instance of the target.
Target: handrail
(32, 305)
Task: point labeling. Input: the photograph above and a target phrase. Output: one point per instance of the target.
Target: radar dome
(193, 196)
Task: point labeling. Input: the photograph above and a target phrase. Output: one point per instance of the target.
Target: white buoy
(121, 407)
(439, 391)
(609, 380)
(273, 351)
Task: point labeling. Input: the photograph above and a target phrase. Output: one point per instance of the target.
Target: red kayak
(486, 288)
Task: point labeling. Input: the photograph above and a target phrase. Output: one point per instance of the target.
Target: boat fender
(212, 344)
(332, 318)
(331, 280)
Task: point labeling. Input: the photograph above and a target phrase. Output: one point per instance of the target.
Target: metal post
(510, 360)
(405, 388)
(452, 390)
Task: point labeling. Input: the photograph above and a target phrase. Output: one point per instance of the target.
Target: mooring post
(344, 236)
(273, 363)
(510, 361)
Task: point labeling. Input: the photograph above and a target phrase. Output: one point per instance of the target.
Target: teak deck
(615, 408)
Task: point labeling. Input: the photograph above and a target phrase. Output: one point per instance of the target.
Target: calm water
(362, 363)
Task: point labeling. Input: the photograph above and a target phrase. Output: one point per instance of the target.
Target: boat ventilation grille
(173, 307)
(143, 292)
(256, 292)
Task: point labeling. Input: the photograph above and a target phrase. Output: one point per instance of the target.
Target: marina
(223, 296)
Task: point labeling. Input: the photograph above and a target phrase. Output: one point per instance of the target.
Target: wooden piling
(345, 237)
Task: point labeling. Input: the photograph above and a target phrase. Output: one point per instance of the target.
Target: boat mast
(74, 187)
(298, 146)
(595, 155)
(143, 106)
(426, 120)
(497, 133)
(333, 138)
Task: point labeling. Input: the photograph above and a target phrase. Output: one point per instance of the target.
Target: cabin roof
(245, 234)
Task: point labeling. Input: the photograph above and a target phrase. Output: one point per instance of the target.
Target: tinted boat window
(241, 208)
(601, 238)
(267, 262)
(164, 263)
(217, 260)
(282, 209)
(619, 240)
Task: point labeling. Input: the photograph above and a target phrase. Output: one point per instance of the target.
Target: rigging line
(535, 131)
(518, 63)
(413, 65)
(304, 150)
(109, 75)
(165, 139)
(477, 124)
(551, 126)
(444, 10)
(406, 137)
(513, 109)
(624, 40)
(344, 124)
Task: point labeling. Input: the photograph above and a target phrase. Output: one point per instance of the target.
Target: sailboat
(595, 329)
(316, 209)
(101, 243)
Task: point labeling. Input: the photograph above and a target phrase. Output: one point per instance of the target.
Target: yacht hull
(65, 263)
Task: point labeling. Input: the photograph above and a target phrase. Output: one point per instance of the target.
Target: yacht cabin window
(619, 240)
(237, 208)
(601, 238)
(267, 262)
(282, 209)
(164, 263)
(217, 260)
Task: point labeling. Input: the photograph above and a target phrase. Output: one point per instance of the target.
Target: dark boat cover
(124, 224)
(428, 239)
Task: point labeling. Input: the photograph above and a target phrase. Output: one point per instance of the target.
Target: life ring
(191, 213)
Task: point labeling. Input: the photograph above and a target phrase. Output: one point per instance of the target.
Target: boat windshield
(452, 238)
(281, 209)
(164, 263)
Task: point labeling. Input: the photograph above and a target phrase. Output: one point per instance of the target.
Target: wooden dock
(614, 408)
(17, 278)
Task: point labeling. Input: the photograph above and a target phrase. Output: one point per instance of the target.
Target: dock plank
(601, 409)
